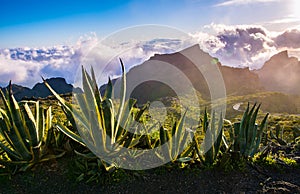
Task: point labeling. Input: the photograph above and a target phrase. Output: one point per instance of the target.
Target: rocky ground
(54, 177)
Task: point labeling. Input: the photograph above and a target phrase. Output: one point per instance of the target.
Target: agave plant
(88, 167)
(278, 136)
(247, 135)
(211, 145)
(25, 135)
(175, 144)
(104, 129)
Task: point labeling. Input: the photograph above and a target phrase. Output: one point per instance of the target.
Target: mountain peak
(192, 63)
(192, 50)
(280, 55)
(39, 90)
(281, 73)
(283, 53)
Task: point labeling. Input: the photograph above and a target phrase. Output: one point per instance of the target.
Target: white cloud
(284, 20)
(289, 39)
(238, 46)
(104, 56)
(208, 43)
(242, 2)
(22, 72)
(246, 45)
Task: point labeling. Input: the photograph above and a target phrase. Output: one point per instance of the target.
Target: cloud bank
(245, 45)
(237, 46)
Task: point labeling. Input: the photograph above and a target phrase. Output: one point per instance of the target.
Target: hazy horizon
(55, 37)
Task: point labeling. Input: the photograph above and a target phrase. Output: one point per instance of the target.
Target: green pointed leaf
(17, 119)
(122, 97)
(179, 134)
(6, 104)
(108, 90)
(163, 135)
(184, 159)
(11, 153)
(98, 134)
(96, 88)
(31, 126)
(218, 140)
(70, 133)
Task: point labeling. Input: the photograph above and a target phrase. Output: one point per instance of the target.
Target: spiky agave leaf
(96, 117)
(23, 132)
(248, 136)
(212, 140)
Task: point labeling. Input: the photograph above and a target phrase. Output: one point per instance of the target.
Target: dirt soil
(53, 177)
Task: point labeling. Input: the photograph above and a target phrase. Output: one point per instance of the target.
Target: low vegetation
(30, 133)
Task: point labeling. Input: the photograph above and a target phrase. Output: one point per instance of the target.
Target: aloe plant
(247, 134)
(211, 145)
(95, 118)
(24, 135)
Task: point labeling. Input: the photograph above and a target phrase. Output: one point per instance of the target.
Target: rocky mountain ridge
(280, 73)
(40, 90)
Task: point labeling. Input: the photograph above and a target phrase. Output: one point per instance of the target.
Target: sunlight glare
(295, 9)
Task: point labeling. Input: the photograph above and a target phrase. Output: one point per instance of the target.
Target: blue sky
(46, 23)
(240, 33)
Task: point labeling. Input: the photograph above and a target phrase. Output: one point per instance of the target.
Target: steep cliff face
(281, 73)
(237, 81)
(240, 81)
(58, 84)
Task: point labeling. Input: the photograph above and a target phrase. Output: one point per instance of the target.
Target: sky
(35, 23)
(53, 38)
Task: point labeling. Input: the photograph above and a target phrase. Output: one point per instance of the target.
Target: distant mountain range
(238, 81)
(280, 73)
(40, 90)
